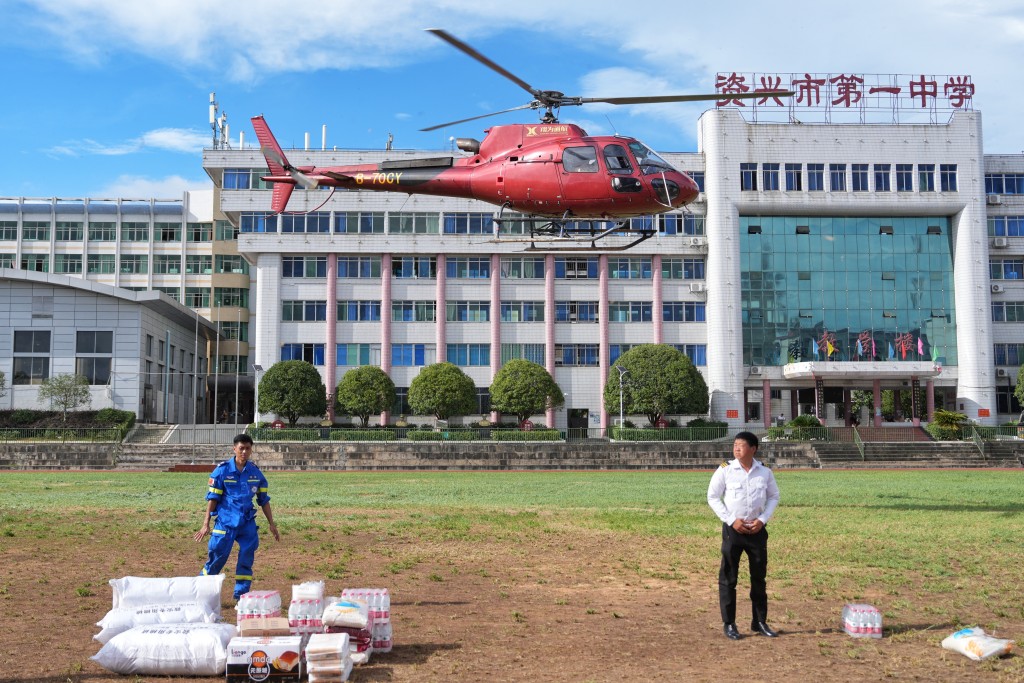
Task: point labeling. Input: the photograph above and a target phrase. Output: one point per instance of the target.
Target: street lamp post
(257, 369)
(622, 374)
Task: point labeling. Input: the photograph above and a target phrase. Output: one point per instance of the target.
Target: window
(794, 177)
(166, 265)
(679, 224)
(313, 222)
(816, 177)
(748, 177)
(1006, 226)
(366, 222)
(1006, 400)
(468, 224)
(304, 266)
(134, 232)
(8, 231)
(1009, 354)
(617, 160)
(904, 177)
(413, 355)
(579, 160)
(882, 181)
(682, 268)
(225, 231)
(1007, 311)
(39, 263)
(100, 263)
(576, 268)
(926, 177)
(414, 311)
(413, 223)
(684, 311)
(135, 263)
(167, 232)
(859, 177)
(359, 267)
(31, 356)
(577, 354)
(576, 311)
(233, 330)
(469, 355)
(197, 297)
(1004, 183)
(354, 355)
(531, 352)
(311, 353)
(303, 311)
(232, 264)
(6, 260)
(698, 177)
(69, 231)
(35, 231)
(522, 312)
(199, 232)
(837, 177)
(468, 311)
(522, 267)
(93, 352)
(947, 177)
(468, 267)
(629, 268)
(616, 350)
(253, 222)
(697, 353)
(102, 232)
(770, 177)
(414, 267)
(173, 292)
(630, 312)
(236, 179)
(1006, 269)
(67, 263)
(359, 311)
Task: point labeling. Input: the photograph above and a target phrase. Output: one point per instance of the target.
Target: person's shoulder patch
(212, 481)
(725, 463)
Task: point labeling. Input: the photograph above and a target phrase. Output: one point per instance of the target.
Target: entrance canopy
(862, 371)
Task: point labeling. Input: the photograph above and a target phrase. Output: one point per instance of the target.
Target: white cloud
(183, 140)
(141, 187)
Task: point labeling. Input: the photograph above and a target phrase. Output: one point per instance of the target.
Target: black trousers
(734, 544)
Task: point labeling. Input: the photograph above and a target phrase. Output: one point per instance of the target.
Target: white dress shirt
(735, 493)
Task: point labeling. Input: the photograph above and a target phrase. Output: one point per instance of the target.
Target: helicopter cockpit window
(617, 160)
(579, 160)
(650, 162)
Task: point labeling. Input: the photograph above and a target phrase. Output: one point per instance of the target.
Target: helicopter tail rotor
(276, 160)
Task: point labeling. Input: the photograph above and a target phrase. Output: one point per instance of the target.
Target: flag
(828, 345)
(860, 349)
(874, 351)
(814, 348)
(903, 348)
(935, 354)
(892, 352)
(920, 347)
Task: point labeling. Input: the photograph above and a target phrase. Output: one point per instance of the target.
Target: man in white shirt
(744, 495)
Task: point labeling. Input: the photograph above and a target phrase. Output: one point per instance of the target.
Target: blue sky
(106, 98)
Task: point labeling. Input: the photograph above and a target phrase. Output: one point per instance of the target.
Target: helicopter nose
(688, 190)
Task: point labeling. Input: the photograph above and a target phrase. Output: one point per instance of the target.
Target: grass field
(541, 551)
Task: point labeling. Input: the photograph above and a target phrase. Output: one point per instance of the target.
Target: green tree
(364, 391)
(291, 389)
(661, 381)
(442, 390)
(65, 392)
(522, 388)
(861, 399)
(3, 384)
(1018, 391)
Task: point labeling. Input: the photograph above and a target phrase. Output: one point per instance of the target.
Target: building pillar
(549, 330)
(794, 403)
(915, 400)
(766, 403)
(603, 352)
(819, 399)
(658, 314)
(877, 418)
(385, 323)
(495, 321)
(442, 309)
(331, 350)
(929, 388)
(848, 406)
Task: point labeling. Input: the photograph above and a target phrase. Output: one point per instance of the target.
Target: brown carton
(264, 626)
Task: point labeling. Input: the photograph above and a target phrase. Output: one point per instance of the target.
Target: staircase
(903, 455)
(148, 433)
(169, 457)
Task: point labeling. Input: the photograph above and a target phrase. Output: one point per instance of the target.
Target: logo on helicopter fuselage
(546, 130)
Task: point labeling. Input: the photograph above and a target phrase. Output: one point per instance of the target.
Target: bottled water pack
(862, 621)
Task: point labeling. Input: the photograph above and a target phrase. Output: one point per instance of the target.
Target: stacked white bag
(327, 658)
(165, 626)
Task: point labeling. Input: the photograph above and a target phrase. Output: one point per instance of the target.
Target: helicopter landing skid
(564, 234)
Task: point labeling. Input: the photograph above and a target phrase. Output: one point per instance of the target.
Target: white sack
(133, 591)
(120, 619)
(976, 644)
(347, 613)
(169, 650)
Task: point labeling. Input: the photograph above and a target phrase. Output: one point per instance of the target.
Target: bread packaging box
(273, 658)
(263, 627)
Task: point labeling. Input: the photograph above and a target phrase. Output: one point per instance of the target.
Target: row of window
(775, 177)
(1006, 226)
(93, 356)
(480, 311)
(134, 264)
(479, 267)
(467, 355)
(100, 231)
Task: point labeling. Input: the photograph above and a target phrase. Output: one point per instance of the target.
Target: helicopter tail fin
(276, 162)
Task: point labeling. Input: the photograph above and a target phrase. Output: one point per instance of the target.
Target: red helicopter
(569, 186)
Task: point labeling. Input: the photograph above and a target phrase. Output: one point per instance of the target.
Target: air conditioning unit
(998, 289)
(697, 288)
(755, 370)
(1002, 372)
(696, 241)
(999, 242)
(994, 199)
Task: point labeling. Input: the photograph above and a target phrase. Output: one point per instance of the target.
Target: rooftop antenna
(222, 127)
(213, 117)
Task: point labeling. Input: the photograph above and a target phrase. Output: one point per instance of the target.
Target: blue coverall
(235, 519)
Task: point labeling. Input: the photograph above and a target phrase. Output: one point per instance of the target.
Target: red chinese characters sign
(848, 92)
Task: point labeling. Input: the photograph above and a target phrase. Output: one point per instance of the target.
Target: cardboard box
(264, 627)
(274, 658)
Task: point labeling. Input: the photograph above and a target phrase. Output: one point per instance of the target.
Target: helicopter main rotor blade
(459, 45)
(532, 105)
(685, 98)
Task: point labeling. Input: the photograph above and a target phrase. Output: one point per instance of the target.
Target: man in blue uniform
(744, 495)
(233, 484)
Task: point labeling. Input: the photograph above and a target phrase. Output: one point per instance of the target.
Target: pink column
(603, 352)
(331, 352)
(929, 390)
(495, 321)
(657, 315)
(549, 327)
(442, 309)
(877, 419)
(766, 403)
(385, 323)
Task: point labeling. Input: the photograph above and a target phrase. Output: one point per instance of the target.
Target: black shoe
(762, 629)
(731, 632)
